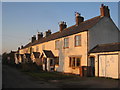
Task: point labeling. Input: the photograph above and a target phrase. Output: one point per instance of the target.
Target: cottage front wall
(65, 53)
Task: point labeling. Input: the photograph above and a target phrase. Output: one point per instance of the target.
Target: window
(32, 49)
(74, 61)
(37, 48)
(51, 62)
(26, 50)
(56, 60)
(78, 40)
(77, 62)
(66, 42)
(70, 60)
(57, 44)
(43, 47)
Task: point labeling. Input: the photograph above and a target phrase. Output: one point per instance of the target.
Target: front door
(92, 64)
(52, 66)
(45, 62)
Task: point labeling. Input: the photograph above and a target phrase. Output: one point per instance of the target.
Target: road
(12, 78)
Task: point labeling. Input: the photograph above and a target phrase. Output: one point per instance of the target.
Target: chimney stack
(18, 48)
(47, 33)
(33, 38)
(21, 46)
(39, 35)
(62, 25)
(104, 10)
(78, 18)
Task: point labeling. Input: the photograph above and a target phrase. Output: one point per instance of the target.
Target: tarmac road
(12, 78)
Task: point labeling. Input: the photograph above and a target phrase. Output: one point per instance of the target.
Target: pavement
(12, 78)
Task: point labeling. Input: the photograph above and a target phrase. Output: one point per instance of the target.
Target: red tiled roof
(106, 48)
(84, 26)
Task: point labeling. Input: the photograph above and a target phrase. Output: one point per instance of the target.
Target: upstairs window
(32, 49)
(66, 42)
(37, 48)
(57, 44)
(78, 40)
(56, 60)
(43, 47)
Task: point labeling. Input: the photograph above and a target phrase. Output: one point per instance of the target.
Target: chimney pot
(40, 35)
(104, 10)
(47, 33)
(18, 48)
(21, 46)
(62, 25)
(78, 18)
(33, 38)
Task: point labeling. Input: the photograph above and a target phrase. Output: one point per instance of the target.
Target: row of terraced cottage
(89, 47)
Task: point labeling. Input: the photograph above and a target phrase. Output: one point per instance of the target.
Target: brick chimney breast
(39, 35)
(104, 11)
(62, 25)
(78, 18)
(33, 38)
(21, 46)
(47, 33)
(18, 48)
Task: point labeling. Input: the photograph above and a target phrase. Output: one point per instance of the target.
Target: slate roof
(84, 26)
(27, 55)
(36, 54)
(48, 53)
(111, 47)
(17, 55)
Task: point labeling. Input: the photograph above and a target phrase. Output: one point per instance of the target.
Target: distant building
(71, 49)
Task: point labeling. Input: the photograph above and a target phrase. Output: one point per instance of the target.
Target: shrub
(30, 67)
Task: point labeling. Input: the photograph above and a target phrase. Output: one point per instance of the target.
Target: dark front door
(45, 62)
(92, 64)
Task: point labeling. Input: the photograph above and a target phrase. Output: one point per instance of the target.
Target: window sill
(65, 47)
(75, 67)
(78, 46)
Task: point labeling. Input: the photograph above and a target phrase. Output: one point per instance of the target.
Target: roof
(17, 55)
(27, 55)
(36, 54)
(106, 48)
(48, 53)
(84, 26)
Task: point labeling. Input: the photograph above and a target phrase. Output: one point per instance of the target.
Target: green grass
(50, 75)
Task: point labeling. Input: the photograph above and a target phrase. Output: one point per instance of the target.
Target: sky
(22, 20)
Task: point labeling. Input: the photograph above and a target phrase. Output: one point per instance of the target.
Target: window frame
(76, 40)
(71, 59)
(37, 48)
(57, 60)
(67, 42)
(56, 44)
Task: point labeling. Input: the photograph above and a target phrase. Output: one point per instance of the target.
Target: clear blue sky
(22, 20)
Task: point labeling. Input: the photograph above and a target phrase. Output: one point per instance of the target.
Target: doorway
(45, 63)
(92, 64)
